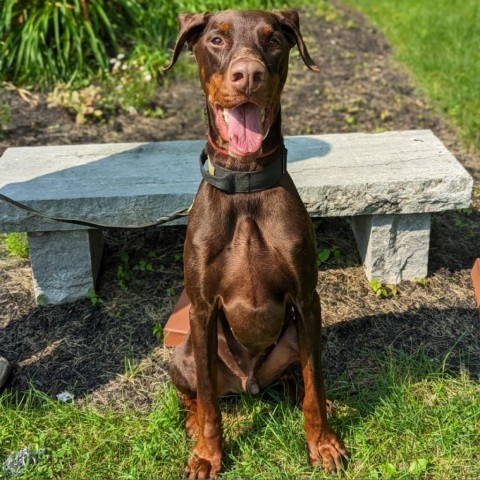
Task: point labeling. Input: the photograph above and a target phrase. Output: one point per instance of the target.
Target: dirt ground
(110, 352)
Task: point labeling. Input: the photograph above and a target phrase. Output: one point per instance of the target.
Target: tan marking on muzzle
(214, 86)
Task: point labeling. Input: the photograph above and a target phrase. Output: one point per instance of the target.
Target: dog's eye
(273, 42)
(217, 41)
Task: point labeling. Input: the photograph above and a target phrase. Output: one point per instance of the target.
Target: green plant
(123, 270)
(316, 223)
(143, 266)
(459, 217)
(324, 254)
(43, 42)
(132, 81)
(422, 281)
(126, 269)
(132, 368)
(381, 290)
(157, 330)
(83, 102)
(41, 300)
(5, 115)
(17, 244)
(94, 298)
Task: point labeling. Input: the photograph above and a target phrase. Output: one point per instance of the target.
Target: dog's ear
(190, 27)
(291, 25)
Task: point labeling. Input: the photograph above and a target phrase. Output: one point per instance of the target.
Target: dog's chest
(254, 282)
(259, 255)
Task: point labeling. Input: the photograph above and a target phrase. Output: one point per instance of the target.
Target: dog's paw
(199, 467)
(329, 453)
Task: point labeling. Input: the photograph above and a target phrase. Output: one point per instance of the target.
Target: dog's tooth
(225, 115)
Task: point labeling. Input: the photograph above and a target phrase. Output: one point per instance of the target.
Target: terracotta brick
(178, 324)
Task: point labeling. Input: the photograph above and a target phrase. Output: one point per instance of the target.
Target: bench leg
(65, 264)
(393, 247)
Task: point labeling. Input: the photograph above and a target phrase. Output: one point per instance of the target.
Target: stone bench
(388, 183)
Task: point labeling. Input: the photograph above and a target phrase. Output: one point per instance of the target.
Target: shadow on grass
(264, 434)
(448, 337)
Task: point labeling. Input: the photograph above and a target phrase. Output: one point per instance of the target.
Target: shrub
(45, 42)
(42, 42)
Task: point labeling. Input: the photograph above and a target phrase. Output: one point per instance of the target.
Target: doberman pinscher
(249, 260)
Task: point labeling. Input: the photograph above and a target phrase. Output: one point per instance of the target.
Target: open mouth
(242, 127)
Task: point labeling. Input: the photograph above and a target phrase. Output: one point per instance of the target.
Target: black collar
(231, 181)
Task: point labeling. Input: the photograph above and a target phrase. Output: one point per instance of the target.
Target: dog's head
(242, 58)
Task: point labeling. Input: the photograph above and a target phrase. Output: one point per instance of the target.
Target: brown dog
(250, 263)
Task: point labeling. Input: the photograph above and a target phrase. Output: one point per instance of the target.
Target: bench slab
(336, 175)
(388, 183)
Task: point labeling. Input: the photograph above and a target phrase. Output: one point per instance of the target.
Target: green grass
(439, 41)
(408, 419)
(81, 442)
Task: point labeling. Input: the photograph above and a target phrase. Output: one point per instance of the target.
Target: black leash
(227, 180)
(168, 218)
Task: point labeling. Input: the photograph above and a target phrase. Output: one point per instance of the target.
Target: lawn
(414, 421)
(438, 40)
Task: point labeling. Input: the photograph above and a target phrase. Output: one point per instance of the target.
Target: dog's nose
(247, 76)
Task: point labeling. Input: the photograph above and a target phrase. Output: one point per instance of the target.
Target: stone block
(65, 264)
(393, 247)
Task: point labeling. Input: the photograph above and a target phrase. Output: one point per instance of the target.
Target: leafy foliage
(325, 254)
(17, 244)
(72, 41)
(381, 290)
(82, 101)
(5, 114)
(47, 41)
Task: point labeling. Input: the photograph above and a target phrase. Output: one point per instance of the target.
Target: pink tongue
(245, 131)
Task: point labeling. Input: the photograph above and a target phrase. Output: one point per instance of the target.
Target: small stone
(5, 371)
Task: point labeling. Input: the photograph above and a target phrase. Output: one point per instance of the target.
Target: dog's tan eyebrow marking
(224, 27)
(267, 30)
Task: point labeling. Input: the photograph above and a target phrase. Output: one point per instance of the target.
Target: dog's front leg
(324, 447)
(205, 461)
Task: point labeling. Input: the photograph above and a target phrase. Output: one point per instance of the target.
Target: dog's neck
(235, 181)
